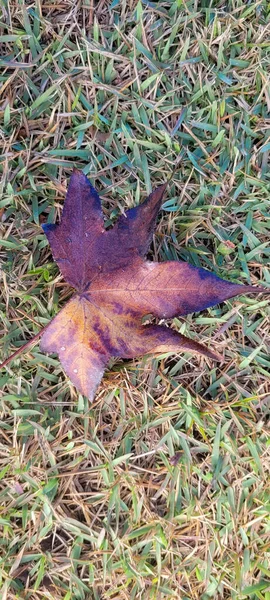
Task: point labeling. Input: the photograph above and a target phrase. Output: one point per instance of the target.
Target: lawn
(160, 488)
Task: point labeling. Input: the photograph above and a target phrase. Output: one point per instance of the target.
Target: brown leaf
(116, 288)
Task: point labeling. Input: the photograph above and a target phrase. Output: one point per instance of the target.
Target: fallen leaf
(116, 287)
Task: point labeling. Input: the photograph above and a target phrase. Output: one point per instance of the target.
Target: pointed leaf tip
(78, 176)
(214, 355)
(162, 187)
(252, 289)
(132, 233)
(48, 227)
(78, 172)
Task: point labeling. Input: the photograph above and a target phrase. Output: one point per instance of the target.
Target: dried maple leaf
(116, 287)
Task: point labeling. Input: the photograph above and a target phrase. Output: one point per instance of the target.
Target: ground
(160, 489)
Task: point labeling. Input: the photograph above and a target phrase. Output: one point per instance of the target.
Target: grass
(160, 489)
